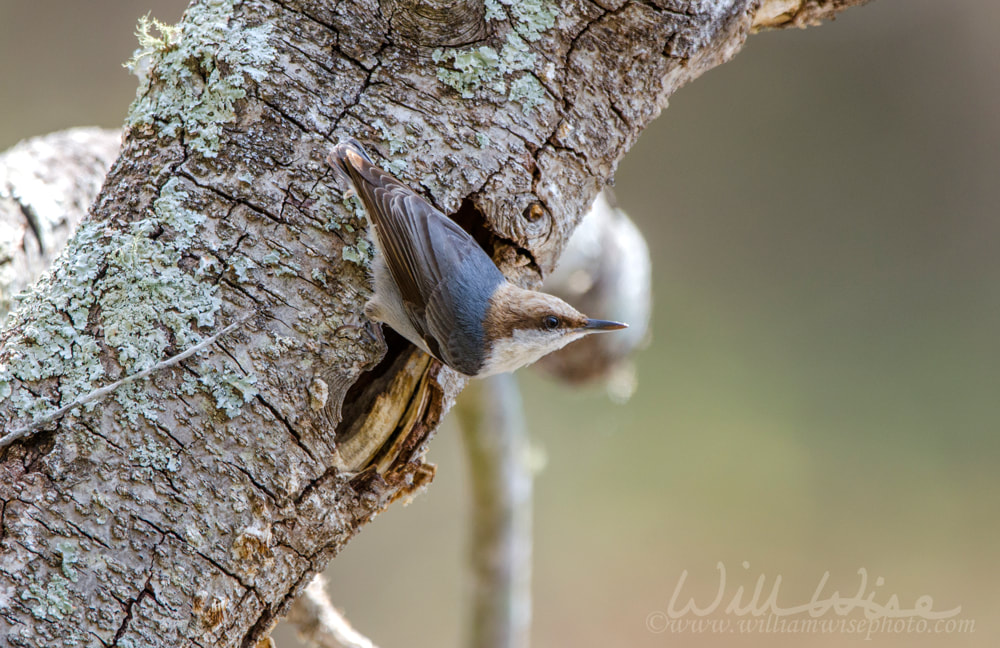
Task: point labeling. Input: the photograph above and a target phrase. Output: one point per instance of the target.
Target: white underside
(386, 305)
(525, 347)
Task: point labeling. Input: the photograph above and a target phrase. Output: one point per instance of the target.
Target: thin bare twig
(107, 390)
(322, 625)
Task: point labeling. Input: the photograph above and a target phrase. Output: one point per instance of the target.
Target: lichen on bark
(196, 504)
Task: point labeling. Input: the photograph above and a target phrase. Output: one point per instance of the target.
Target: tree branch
(46, 185)
(777, 14)
(496, 445)
(98, 395)
(322, 625)
(193, 508)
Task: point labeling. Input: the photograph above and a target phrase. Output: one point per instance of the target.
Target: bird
(435, 286)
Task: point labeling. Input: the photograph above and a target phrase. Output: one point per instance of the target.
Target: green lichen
(150, 44)
(484, 68)
(532, 17)
(278, 259)
(482, 140)
(396, 145)
(52, 600)
(242, 266)
(191, 76)
(361, 254)
(190, 384)
(397, 166)
(318, 276)
(5, 379)
(493, 10)
(515, 55)
(123, 285)
(148, 266)
(230, 389)
(354, 205)
(272, 258)
(527, 91)
(351, 255)
(135, 404)
(52, 318)
(69, 556)
(474, 69)
(279, 346)
(151, 454)
(324, 199)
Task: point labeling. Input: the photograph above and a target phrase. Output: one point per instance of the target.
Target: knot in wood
(436, 23)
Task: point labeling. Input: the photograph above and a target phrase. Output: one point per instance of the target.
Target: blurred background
(821, 394)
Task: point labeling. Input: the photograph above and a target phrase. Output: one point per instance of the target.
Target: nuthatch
(436, 287)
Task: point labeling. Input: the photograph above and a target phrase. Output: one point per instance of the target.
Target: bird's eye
(550, 322)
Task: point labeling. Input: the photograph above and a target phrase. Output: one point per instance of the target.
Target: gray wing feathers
(443, 276)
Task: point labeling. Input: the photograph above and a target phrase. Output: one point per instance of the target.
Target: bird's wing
(440, 270)
(455, 308)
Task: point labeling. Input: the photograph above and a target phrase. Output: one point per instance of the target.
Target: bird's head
(522, 325)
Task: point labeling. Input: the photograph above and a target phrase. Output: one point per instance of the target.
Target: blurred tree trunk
(192, 507)
(46, 185)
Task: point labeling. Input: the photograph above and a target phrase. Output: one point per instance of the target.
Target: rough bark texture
(192, 508)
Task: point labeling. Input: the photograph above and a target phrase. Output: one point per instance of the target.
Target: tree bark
(192, 507)
(46, 185)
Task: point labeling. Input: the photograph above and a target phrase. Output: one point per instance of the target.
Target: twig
(322, 625)
(495, 433)
(107, 390)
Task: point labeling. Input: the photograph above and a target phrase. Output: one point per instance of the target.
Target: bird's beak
(603, 325)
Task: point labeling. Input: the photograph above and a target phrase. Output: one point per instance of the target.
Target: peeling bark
(192, 507)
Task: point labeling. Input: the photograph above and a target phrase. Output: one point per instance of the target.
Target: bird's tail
(351, 163)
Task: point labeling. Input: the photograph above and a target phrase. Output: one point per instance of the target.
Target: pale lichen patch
(527, 91)
(279, 261)
(473, 69)
(395, 143)
(147, 265)
(51, 601)
(360, 254)
(123, 289)
(532, 17)
(150, 454)
(191, 77)
(493, 10)
(397, 167)
(230, 389)
(484, 68)
(69, 556)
